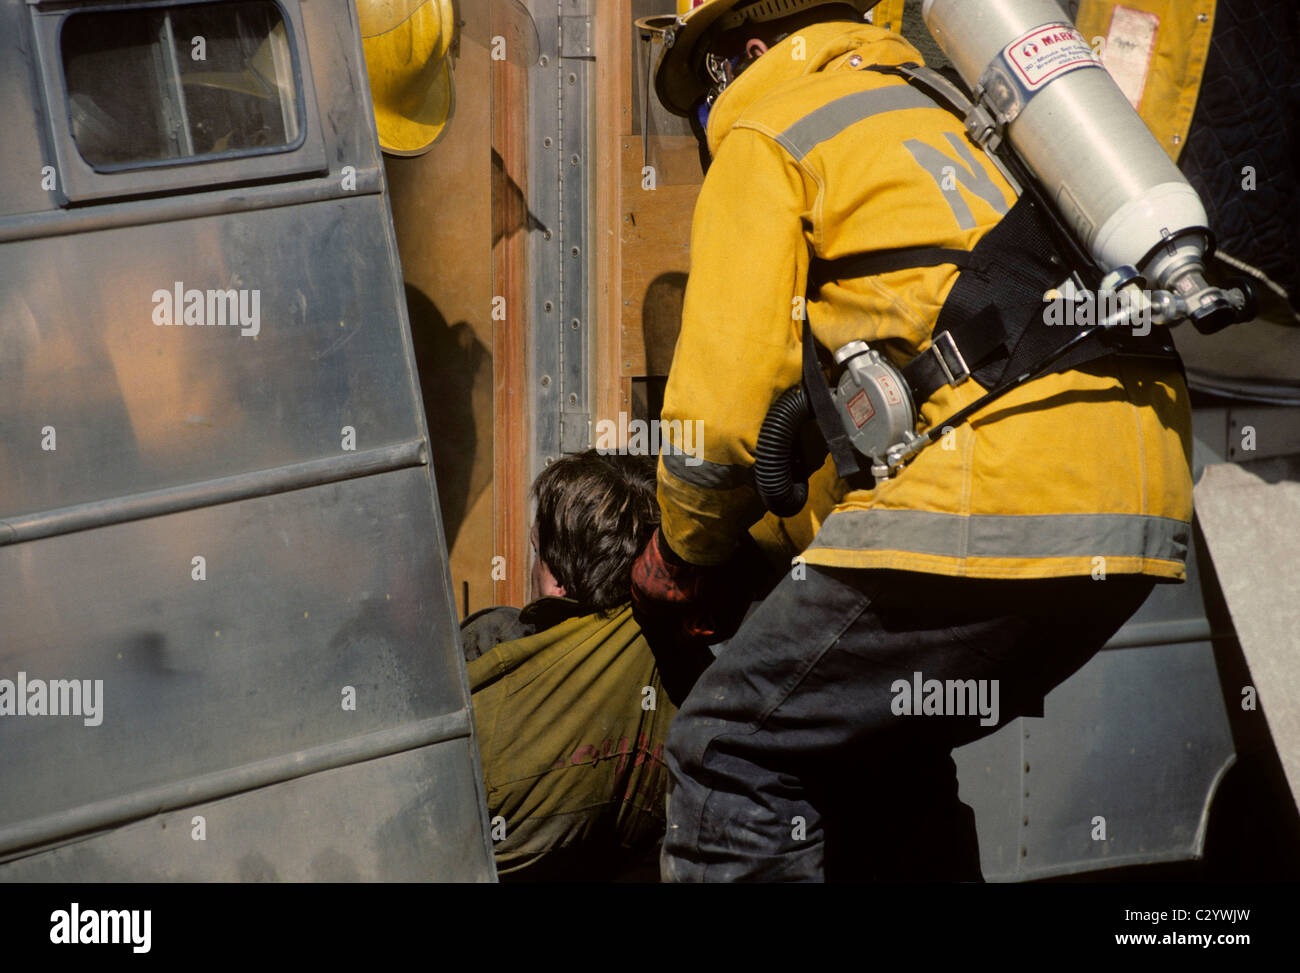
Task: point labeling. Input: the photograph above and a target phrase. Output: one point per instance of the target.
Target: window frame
(81, 181)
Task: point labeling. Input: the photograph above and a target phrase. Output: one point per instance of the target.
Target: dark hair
(595, 513)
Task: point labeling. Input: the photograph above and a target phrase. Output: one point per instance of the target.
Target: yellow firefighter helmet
(683, 77)
(406, 44)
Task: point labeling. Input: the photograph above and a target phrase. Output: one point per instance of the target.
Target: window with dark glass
(158, 84)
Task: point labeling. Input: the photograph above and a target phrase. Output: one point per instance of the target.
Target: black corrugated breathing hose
(774, 454)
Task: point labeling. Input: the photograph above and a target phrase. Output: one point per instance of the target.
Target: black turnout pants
(793, 759)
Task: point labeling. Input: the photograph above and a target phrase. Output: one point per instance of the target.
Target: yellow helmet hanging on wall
(682, 79)
(406, 44)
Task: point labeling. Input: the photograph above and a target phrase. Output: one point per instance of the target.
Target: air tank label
(1046, 53)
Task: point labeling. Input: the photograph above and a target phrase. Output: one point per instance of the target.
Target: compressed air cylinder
(1123, 197)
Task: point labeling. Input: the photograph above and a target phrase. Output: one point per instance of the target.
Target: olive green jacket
(571, 721)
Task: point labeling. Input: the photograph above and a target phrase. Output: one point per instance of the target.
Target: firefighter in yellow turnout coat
(1005, 554)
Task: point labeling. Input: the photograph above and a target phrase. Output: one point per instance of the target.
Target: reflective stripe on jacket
(814, 156)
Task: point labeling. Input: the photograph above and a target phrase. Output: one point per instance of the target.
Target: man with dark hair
(594, 514)
(569, 709)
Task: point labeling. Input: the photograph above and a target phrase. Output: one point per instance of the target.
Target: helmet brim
(679, 80)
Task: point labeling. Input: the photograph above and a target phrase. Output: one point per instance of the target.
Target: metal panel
(409, 828)
(342, 86)
(988, 771)
(191, 496)
(137, 406)
(205, 677)
(166, 209)
(79, 181)
(1174, 613)
(1138, 736)
(560, 191)
(338, 74)
(546, 246)
(1209, 439)
(324, 561)
(1263, 432)
(576, 29)
(23, 188)
(576, 115)
(1150, 741)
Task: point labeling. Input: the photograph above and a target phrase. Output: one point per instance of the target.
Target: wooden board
(442, 238)
(613, 96)
(655, 247)
(509, 94)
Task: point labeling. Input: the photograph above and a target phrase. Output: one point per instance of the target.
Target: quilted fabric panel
(1248, 115)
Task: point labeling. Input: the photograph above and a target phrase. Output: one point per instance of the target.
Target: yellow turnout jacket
(815, 156)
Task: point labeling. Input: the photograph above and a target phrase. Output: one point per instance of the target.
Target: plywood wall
(648, 181)
(511, 225)
(461, 219)
(442, 211)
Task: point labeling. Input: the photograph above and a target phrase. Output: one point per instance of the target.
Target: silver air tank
(1038, 85)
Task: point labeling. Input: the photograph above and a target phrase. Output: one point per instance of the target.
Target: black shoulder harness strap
(828, 420)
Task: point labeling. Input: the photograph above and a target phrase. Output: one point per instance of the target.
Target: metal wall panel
(324, 562)
(394, 819)
(338, 72)
(236, 680)
(560, 193)
(138, 406)
(79, 180)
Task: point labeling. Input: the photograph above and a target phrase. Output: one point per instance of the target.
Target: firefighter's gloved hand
(674, 599)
